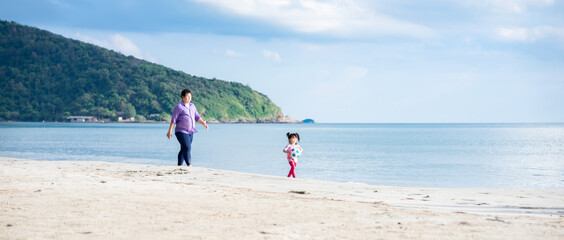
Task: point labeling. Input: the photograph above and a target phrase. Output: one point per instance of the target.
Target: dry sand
(100, 200)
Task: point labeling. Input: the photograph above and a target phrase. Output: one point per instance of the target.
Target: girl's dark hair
(184, 92)
(291, 135)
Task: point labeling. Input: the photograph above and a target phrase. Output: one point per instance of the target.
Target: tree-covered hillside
(44, 76)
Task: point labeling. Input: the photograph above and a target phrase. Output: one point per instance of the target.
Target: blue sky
(342, 61)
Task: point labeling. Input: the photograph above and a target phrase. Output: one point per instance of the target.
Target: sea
(443, 155)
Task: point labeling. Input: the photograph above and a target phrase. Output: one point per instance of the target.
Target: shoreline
(209, 122)
(69, 199)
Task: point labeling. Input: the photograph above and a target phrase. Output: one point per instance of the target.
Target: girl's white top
(289, 148)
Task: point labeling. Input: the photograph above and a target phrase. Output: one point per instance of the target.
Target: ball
(296, 152)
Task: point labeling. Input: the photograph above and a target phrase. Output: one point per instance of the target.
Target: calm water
(423, 155)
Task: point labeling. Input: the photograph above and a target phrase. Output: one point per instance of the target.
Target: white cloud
(531, 34)
(231, 53)
(119, 43)
(514, 6)
(333, 17)
(514, 34)
(274, 56)
(125, 45)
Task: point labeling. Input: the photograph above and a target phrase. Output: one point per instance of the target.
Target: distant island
(47, 77)
(308, 121)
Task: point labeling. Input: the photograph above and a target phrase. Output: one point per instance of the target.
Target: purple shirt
(185, 118)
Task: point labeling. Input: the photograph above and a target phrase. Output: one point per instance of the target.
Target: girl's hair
(291, 135)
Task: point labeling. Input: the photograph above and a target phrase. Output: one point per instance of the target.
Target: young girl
(294, 151)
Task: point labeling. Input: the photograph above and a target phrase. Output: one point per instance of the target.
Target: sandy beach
(101, 200)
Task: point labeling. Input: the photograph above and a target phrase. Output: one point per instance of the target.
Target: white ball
(296, 152)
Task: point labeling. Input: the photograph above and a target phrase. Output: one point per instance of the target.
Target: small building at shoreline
(82, 119)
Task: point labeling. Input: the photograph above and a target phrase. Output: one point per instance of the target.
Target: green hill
(46, 77)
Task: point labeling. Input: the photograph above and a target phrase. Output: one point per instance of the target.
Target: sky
(342, 61)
